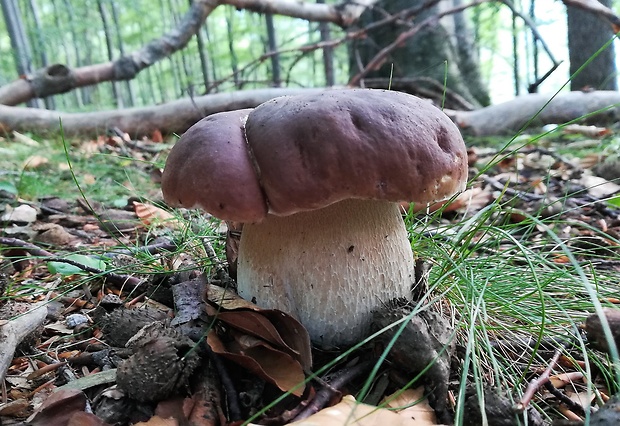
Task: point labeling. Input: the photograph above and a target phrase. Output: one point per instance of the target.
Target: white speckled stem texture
(330, 267)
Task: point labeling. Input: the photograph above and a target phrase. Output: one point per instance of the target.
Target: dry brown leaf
(85, 419)
(153, 215)
(599, 187)
(254, 323)
(291, 332)
(261, 359)
(411, 403)
(588, 131)
(227, 299)
(350, 412)
(58, 408)
(35, 162)
(156, 136)
(158, 421)
(24, 140)
(560, 380)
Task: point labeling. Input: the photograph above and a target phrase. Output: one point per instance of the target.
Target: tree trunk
(328, 52)
(430, 53)
(202, 55)
(130, 98)
(587, 33)
(272, 46)
(40, 49)
(105, 20)
(19, 40)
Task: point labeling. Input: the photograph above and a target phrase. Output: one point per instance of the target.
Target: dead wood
(60, 78)
(13, 332)
(172, 117)
(539, 109)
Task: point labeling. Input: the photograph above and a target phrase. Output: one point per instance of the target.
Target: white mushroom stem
(330, 267)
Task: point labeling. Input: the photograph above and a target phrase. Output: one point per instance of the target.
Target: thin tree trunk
(587, 33)
(49, 100)
(186, 80)
(328, 52)
(515, 56)
(234, 63)
(65, 47)
(202, 55)
(110, 49)
(76, 51)
(131, 97)
(534, 43)
(19, 41)
(272, 45)
(210, 44)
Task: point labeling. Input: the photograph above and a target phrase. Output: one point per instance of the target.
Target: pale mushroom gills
(317, 180)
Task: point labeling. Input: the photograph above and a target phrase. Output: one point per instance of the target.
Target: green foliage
(67, 269)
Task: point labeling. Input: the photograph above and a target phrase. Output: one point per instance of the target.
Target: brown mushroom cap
(315, 150)
(210, 168)
(299, 153)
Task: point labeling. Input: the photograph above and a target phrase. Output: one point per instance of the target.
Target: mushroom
(317, 180)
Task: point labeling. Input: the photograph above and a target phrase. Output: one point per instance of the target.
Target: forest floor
(106, 296)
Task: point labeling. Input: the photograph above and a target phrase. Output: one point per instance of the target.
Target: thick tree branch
(173, 117)
(343, 14)
(60, 79)
(539, 109)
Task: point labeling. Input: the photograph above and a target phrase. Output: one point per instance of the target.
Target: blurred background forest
(484, 51)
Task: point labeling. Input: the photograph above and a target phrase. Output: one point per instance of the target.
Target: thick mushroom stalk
(329, 267)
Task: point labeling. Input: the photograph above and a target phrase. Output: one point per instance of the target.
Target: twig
(151, 248)
(127, 281)
(331, 386)
(572, 405)
(232, 397)
(220, 273)
(536, 384)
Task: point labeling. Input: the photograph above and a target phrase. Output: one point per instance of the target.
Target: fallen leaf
(262, 359)
(351, 412)
(35, 162)
(599, 187)
(58, 408)
(153, 215)
(411, 403)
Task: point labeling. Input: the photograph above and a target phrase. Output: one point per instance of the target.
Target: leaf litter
(189, 351)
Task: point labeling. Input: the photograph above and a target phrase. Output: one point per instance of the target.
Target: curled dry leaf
(290, 331)
(265, 361)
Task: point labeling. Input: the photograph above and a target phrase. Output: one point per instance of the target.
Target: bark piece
(13, 332)
(596, 334)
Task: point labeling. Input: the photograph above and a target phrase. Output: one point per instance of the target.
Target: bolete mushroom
(317, 180)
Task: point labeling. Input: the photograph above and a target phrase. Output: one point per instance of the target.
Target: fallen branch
(125, 281)
(539, 109)
(172, 117)
(15, 331)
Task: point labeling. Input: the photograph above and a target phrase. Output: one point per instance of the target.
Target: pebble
(74, 320)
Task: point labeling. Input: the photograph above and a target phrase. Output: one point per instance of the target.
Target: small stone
(22, 214)
(74, 320)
